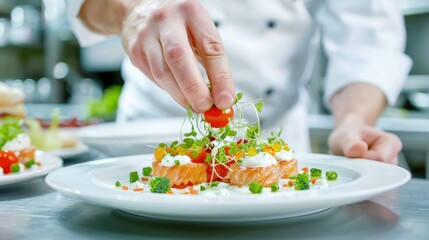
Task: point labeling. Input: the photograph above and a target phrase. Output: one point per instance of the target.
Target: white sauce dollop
(22, 141)
(321, 183)
(284, 155)
(261, 159)
(169, 161)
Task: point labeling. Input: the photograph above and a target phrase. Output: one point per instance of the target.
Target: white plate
(131, 138)
(71, 152)
(48, 162)
(358, 180)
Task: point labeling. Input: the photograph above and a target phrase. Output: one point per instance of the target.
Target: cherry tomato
(221, 170)
(7, 158)
(240, 141)
(218, 118)
(200, 158)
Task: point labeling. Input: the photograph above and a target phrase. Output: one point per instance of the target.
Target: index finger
(210, 49)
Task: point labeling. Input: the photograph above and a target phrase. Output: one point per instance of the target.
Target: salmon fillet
(188, 174)
(265, 176)
(288, 168)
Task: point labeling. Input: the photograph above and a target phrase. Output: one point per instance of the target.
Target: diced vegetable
(202, 188)
(275, 187)
(315, 172)
(159, 185)
(147, 171)
(214, 184)
(331, 176)
(255, 187)
(118, 184)
(30, 163)
(15, 168)
(134, 176)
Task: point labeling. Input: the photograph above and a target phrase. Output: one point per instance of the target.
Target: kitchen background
(40, 55)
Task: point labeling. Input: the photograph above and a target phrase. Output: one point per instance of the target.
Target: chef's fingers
(139, 59)
(347, 142)
(182, 64)
(210, 49)
(161, 72)
(355, 149)
(383, 146)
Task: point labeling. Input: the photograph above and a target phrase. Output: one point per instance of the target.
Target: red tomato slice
(218, 118)
(7, 158)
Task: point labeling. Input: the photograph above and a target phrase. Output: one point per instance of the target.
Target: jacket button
(216, 23)
(271, 24)
(269, 91)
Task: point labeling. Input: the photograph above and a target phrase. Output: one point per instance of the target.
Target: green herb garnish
(176, 162)
(202, 188)
(214, 184)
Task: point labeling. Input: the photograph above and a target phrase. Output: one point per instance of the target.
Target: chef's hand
(365, 142)
(165, 38)
(356, 108)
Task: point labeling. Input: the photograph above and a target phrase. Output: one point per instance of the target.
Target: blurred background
(40, 55)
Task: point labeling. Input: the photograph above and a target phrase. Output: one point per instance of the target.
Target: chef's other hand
(165, 38)
(365, 142)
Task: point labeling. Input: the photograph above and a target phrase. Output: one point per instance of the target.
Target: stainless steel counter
(34, 211)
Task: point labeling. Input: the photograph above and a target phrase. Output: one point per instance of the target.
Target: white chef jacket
(271, 46)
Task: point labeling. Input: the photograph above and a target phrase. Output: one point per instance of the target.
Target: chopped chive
(147, 171)
(30, 163)
(331, 176)
(15, 168)
(255, 187)
(202, 188)
(177, 162)
(134, 176)
(117, 184)
(275, 187)
(214, 184)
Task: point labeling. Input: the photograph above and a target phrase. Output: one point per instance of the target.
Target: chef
(265, 49)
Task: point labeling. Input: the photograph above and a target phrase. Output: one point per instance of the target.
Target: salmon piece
(288, 168)
(26, 154)
(184, 175)
(265, 176)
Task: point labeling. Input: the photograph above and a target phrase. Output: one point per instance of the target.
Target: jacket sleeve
(364, 41)
(84, 36)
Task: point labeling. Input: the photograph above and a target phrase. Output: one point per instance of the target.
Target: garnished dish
(17, 154)
(223, 153)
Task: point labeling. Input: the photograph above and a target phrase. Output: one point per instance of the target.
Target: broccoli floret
(301, 182)
(159, 185)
